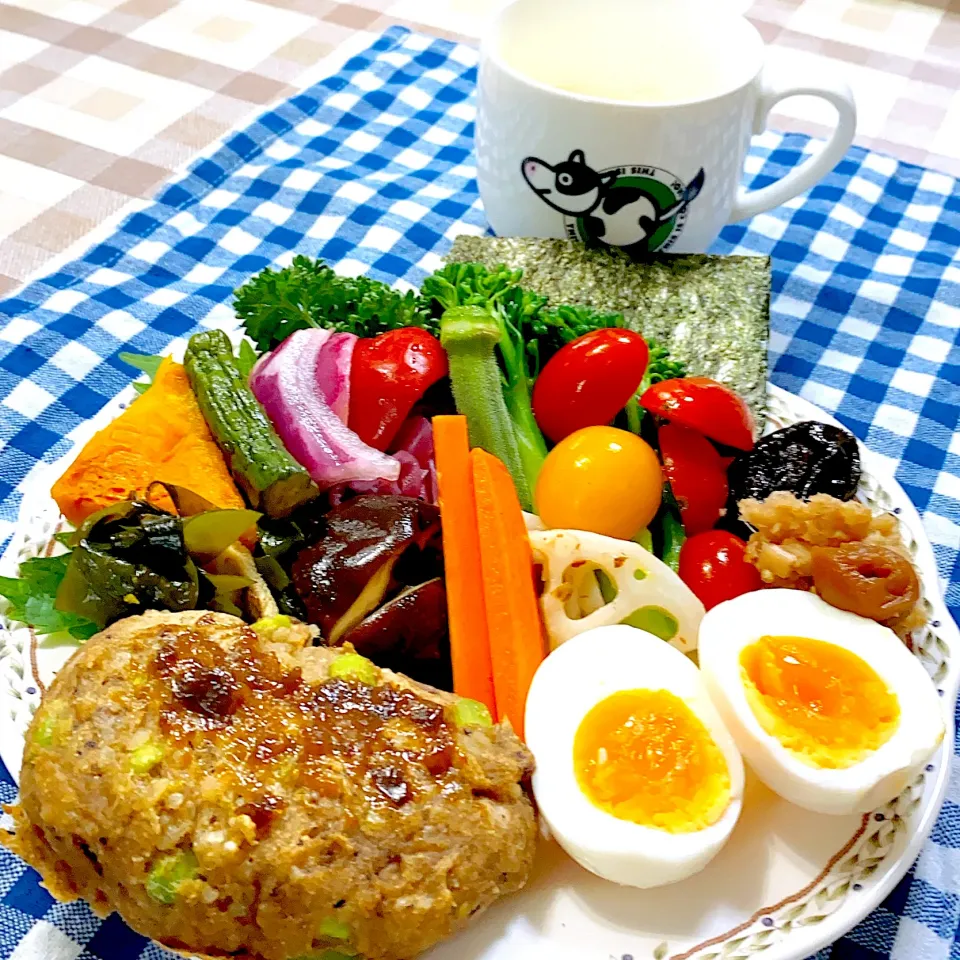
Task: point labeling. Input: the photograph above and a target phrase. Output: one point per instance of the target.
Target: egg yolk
(819, 700)
(645, 756)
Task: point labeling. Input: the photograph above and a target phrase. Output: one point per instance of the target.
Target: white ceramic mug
(626, 122)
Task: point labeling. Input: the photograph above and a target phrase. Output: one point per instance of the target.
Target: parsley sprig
(275, 303)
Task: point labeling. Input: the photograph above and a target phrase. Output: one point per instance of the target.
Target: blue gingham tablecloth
(372, 169)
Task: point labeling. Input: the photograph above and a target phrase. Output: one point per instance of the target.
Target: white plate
(788, 882)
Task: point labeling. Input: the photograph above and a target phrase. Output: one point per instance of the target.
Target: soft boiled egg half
(831, 710)
(636, 775)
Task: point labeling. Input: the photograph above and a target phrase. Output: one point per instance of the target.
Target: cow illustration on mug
(637, 208)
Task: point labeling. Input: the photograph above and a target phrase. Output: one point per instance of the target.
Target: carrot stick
(513, 616)
(469, 639)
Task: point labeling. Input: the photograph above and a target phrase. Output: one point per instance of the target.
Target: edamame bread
(228, 796)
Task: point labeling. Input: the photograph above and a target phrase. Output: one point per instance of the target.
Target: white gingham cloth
(372, 169)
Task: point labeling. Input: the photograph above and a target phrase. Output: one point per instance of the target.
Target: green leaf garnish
(145, 364)
(32, 598)
(246, 358)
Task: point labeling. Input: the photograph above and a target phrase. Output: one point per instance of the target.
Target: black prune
(805, 458)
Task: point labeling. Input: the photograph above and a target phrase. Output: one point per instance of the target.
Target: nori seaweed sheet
(712, 312)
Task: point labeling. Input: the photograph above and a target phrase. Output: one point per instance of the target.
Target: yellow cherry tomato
(600, 479)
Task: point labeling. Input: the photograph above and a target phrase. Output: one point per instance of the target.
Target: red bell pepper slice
(697, 476)
(705, 405)
(388, 375)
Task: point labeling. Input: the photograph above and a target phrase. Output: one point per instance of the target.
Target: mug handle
(772, 91)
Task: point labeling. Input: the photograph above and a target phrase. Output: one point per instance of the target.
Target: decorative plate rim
(869, 864)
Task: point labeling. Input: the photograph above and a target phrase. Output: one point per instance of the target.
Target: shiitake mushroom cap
(409, 634)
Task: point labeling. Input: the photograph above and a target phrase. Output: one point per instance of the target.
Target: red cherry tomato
(704, 405)
(588, 381)
(697, 476)
(712, 565)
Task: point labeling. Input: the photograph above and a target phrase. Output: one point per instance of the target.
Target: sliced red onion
(333, 364)
(418, 472)
(333, 372)
(267, 360)
(299, 385)
(416, 438)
